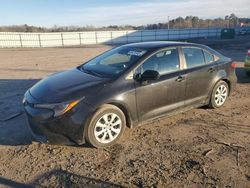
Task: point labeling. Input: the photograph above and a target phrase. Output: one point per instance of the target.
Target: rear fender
(221, 75)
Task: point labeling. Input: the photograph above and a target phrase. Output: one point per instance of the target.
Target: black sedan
(125, 87)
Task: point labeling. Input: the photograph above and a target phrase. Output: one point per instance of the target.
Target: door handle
(180, 78)
(211, 69)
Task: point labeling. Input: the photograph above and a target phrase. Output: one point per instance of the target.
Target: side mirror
(150, 75)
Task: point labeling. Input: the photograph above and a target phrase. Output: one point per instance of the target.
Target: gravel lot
(198, 148)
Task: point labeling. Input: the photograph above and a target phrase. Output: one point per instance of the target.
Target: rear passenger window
(209, 57)
(164, 62)
(194, 57)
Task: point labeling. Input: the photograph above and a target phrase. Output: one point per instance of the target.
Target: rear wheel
(219, 95)
(106, 126)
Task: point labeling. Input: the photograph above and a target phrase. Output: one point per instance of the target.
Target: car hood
(67, 85)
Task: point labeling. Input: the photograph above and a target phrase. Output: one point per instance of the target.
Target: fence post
(96, 40)
(111, 37)
(155, 34)
(127, 35)
(20, 38)
(141, 36)
(39, 39)
(80, 38)
(62, 39)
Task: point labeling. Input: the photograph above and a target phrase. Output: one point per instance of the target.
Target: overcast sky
(113, 12)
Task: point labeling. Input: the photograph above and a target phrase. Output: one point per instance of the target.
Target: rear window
(209, 57)
(194, 57)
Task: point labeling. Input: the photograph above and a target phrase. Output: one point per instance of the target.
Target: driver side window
(164, 62)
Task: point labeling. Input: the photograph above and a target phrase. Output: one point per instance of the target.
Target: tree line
(178, 23)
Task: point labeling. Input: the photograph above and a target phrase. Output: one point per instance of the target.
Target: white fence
(9, 39)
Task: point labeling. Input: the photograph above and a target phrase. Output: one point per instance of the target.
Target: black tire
(91, 128)
(212, 102)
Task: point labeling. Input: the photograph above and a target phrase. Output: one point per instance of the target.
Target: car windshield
(113, 62)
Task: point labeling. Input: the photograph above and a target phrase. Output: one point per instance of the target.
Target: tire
(219, 95)
(101, 132)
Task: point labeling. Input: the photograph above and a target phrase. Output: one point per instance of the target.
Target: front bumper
(65, 130)
(44, 135)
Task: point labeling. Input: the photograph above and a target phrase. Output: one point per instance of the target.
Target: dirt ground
(198, 148)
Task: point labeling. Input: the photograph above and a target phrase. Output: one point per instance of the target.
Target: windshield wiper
(90, 71)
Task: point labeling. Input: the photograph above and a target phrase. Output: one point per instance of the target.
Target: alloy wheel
(221, 95)
(107, 128)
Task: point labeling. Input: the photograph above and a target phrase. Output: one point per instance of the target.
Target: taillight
(233, 65)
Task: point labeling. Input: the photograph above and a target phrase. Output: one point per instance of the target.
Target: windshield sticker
(168, 52)
(135, 53)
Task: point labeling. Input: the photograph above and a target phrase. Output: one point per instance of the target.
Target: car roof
(160, 44)
(157, 45)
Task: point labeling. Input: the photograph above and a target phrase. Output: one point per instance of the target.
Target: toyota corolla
(125, 87)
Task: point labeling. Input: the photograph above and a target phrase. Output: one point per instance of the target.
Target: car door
(200, 72)
(157, 97)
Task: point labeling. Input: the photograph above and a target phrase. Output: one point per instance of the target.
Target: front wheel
(219, 95)
(106, 126)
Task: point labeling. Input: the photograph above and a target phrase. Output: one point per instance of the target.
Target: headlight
(24, 102)
(59, 108)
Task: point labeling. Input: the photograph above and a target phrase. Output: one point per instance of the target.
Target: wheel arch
(215, 83)
(222, 75)
(125, 111)
(211, 100)
(228, 83)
